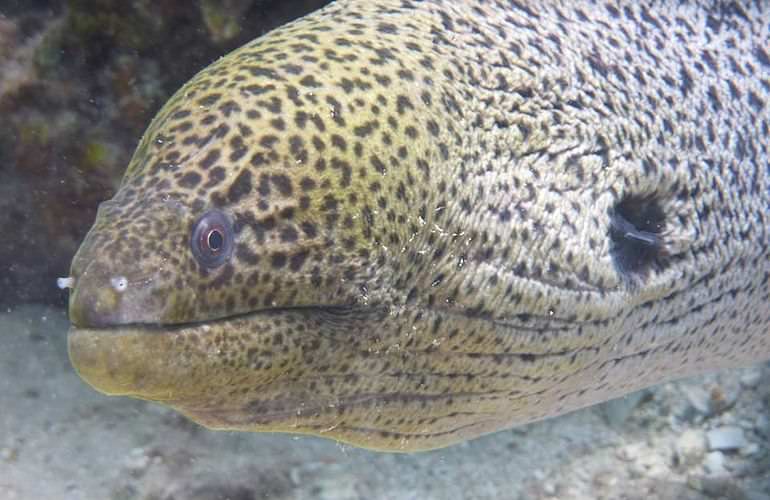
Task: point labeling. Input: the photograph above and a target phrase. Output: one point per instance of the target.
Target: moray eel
(404, 224)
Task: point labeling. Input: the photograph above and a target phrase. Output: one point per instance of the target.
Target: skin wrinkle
(371, 399)
(537, 207)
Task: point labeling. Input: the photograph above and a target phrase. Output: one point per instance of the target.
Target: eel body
(403, 224)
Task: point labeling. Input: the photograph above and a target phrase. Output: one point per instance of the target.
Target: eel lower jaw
(189, 361)
(342, 372)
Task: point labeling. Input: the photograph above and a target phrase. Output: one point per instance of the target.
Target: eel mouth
(327, 371)
(379, 377)
(339, 310)
(168, 362)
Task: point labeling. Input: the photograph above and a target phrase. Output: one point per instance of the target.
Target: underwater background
(79, 83)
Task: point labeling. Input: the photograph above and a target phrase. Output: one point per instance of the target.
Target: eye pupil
(215, 240)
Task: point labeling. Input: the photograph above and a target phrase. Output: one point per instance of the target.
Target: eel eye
(212, 239)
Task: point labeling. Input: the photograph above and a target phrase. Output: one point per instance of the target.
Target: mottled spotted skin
(428, 201)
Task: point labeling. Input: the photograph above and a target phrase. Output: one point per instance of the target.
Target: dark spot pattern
(450, 217)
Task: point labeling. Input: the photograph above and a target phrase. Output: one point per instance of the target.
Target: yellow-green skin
(448, 218)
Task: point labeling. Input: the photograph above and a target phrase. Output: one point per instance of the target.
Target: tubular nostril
(119, 283)
(68, 282)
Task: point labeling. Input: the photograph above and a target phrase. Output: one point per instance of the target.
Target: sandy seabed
(59, 439)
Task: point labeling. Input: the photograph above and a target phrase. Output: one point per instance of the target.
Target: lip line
(340, 309)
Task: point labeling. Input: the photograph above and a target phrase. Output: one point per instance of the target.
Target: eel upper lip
(335, 310)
